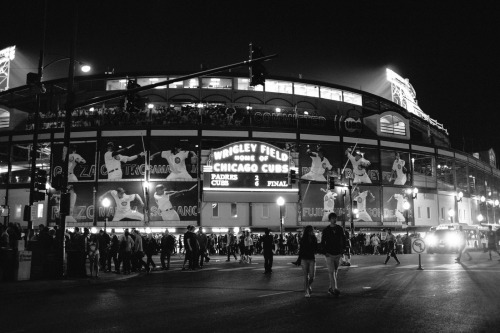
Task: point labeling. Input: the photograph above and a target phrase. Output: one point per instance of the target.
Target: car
(442, 241)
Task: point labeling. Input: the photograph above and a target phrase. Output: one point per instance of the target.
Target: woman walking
(307, 250)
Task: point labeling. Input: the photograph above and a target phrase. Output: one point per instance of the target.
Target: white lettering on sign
(272, 183)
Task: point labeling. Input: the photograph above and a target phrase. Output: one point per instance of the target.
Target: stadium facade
(218, 153)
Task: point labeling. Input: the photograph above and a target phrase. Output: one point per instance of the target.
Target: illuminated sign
(404, 94)
(248, 165)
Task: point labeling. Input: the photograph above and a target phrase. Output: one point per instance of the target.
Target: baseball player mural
(80, 159)
(328, 204)
(165, 207)
(73, 159)
(176, 159)
(395, 167)
(319, 165)
(123, 208)
(399, 212)
(361, 197)
(395, 199)
(359, 166)
(113, 159)
(173, 160)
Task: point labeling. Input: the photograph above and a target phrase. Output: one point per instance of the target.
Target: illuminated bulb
(278, 110)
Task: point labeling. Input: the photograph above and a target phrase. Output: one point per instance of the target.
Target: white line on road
(283, 292)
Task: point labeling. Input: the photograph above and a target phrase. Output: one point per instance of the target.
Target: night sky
(448, 49)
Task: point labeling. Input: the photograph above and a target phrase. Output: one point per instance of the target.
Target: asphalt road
(232, 297)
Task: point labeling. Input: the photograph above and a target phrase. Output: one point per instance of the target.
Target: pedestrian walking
(307, 250)
(268, 247)
(390, 240)
(248, 246)
(333, 245)
(202, 241)
(463, 237)
(492, 241)
(167, 245)
(113, 252)
(93, 246)
(150, 249)
(230, 246)
(125, 252)
(138, 253)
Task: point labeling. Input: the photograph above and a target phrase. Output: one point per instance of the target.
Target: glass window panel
(283, 87)
(392, 125)
(216, 83)
(306, 90)
(243, 83)
(428, 212)
(480, 183)
(330, 93)
(473, 180)
(175, 85)
(116, 84)
(234, 210)
(215, 210)
(191, 83)
(265, 210)
(445, 174)
(4, 118)
(4, 163)
(21, 163)
(462, 177)
(352, 98)
(424, 170)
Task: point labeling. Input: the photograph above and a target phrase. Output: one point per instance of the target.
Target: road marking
(283, 292)
(235, 269)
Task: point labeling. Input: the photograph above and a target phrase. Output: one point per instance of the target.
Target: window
(419, 215)
(442, 213)
(215, 210)
(243, 83)
(392, 125)
(265, 211)
(18, 212)
(428, 212)
(352, 98)
(216, 83)
(4, 118)
(234, 210)
(306, 90)
(330, 93)
(424, 170)
(445, 174)
(283, 87)
(39, 213)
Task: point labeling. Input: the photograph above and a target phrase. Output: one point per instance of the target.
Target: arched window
(392, 125)
(4, 118)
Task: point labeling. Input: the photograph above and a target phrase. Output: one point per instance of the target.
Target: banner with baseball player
(394, 199)
(318, 201)
(172, 159)
(127, 201)
(362, 164)
(319, 161)
(121, 158)
(367, 201)
(81, 203)
(395, 167)
(174, 202)
(81, 161)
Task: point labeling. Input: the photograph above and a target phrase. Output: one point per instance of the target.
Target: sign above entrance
(247, 166)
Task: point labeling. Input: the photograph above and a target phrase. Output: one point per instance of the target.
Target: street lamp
(106, 203)
(281, 203)
(413, 192)
(406, 207)
(459, 196)
(480, 217)
(451, 214)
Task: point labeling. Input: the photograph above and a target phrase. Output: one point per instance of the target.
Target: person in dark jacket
(150, 249)
(333, 245)
(113, 252)
(307, 250)
(268, 247)
(167, 245)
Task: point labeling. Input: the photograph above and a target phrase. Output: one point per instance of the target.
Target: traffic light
(32, 79)
(258, 72)
(292, 176)
(40, 179)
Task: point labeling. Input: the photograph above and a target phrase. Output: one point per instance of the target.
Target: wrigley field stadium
(222, 154)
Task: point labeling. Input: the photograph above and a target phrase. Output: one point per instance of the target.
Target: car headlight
(431, 240)
(453, 240)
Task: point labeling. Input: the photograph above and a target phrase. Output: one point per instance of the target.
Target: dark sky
(448, 49)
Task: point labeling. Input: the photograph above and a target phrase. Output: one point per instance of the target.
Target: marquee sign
(248, 166)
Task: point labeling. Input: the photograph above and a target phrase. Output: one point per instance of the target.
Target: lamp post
(106, 203)
(483, 201)
(281, 203)
(451, 214)
(406, 207)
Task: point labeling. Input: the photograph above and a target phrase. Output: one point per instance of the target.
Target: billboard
(121, 159)
(81, 161)
(173, 159)
(362, 165)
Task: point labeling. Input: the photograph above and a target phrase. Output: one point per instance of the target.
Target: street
(231, 297)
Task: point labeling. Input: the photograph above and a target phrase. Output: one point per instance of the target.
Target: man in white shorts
(360, 198)
(328, 204)
(162, 199)
(359, 165)
(176, 159)
(122, 201)
(113, 160)
(319, 165)
(398, 168)
(73, 160)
